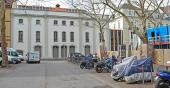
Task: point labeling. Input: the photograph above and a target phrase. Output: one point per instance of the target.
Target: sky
(47, 3)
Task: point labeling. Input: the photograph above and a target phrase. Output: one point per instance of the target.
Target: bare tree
(97, 12)
(3, 36)
(145, 12)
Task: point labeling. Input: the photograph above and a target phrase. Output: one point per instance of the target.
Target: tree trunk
(3, 36)
(102, 45)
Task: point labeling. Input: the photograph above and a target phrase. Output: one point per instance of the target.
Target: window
(134, 24)
(13, 53)
(63, 23)
(71, 36)
(87, 23)
(130, 13)
(71, 23)
(119, 24)
(37, 21)
(20, 36)
(149, 24)
(37, 36)
(63, 36)
(55, 22)
(87, 36)
(20, 52)
(55, 36)
(21, 21)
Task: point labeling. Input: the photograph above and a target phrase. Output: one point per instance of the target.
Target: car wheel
(38, 62)
(0, 62)
(14, 62)
(82, 66)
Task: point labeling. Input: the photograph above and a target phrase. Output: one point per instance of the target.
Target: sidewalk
(105, 78)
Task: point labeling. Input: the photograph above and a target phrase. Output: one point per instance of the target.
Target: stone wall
(161, 56)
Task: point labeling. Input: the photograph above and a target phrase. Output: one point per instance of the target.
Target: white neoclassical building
(54, 32)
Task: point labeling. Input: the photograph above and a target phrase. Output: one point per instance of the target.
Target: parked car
(12, 56)
(33, 57)
(21, 57)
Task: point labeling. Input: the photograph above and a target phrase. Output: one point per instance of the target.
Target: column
(80, 34)
(59, 47)
(29, 34)
(94, 45)
(46, 36)
(68, 50)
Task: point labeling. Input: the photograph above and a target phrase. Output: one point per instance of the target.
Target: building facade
(122, 38)
(54, 32)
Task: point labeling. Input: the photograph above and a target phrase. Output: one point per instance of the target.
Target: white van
(33, 57)
(12, 56)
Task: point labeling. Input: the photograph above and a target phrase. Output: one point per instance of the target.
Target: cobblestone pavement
(58, 74)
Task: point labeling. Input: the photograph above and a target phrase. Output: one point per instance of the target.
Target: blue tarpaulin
(162, 31)
(138, 65)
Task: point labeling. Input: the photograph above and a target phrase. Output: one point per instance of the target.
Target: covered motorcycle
(139, 70)
(118, 70)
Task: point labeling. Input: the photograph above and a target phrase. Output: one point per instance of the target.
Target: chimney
(57, 5)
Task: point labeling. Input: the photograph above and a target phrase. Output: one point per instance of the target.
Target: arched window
(55, 52)
(87, 49)
(63, 51)
(72, 49)
(38, 49)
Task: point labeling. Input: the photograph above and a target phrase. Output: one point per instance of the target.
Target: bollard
(143, 81)
(152, 78)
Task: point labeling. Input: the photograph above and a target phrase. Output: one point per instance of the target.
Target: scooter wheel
(162, 84)
(99, 69)
(81, 66)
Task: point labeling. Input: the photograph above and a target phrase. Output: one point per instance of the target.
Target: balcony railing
(159, 40)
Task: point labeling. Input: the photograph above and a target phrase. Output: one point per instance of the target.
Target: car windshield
(13, 53)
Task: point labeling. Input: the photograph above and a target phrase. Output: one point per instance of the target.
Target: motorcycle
(87, 63)
(162, 80)
(106, 65)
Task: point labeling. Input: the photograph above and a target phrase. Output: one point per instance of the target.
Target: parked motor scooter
(87, 63)
(162, 79)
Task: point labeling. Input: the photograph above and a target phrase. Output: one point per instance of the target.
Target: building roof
(52, 9)
(8, 3)
(127, 6)
(166, 10)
